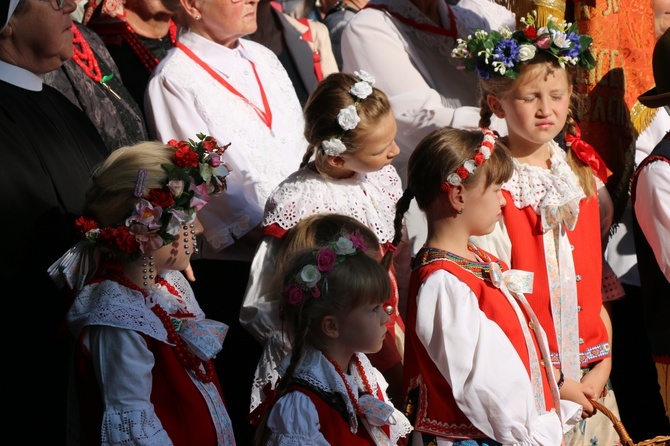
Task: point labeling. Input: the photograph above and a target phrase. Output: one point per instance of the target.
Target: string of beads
(145, 55)
(185, 356)
(366, 383)
(84, 57)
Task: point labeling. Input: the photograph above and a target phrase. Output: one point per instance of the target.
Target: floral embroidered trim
(309, 277)
(500, 53)
(159, 214)
(471, 165)
(348, 118)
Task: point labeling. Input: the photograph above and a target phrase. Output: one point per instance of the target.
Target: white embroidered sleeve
(123, 365)
(490, 383)
(294, 421)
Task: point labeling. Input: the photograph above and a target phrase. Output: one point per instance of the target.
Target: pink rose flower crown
(312, 278)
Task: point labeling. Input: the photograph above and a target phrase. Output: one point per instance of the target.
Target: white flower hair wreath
(348, 118)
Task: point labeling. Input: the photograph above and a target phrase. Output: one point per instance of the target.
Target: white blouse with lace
(554, 194)
(117, 317)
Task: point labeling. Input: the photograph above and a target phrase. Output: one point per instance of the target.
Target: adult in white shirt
(215, 82)
(408, 44)
(650, 195)
(646, 418)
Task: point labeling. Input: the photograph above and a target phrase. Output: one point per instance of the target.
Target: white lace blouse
(116, 318)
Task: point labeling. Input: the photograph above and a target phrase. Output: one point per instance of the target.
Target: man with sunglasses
(48, 147)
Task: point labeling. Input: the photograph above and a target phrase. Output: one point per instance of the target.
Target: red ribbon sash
(265, 115)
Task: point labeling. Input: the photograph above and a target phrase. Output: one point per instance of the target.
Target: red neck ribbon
(265, 115)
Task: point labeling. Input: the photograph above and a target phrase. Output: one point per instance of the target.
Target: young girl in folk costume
(551, 224)
(347, 170)
(313, 232)
(330, 394)
(143, 371)
(477, 368)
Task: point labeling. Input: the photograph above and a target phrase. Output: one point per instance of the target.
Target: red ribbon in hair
(588, 154)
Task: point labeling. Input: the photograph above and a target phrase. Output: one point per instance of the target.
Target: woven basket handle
(618, 425)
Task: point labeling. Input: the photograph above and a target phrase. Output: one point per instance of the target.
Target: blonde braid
(579, 167)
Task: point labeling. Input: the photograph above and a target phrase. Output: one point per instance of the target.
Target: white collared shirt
(183, 99)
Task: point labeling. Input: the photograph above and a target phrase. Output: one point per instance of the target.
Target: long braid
(400, 208)
(485, 111)
(307, 156)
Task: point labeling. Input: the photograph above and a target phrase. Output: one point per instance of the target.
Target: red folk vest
(524, 227)
(179, 404)
(335, 424)
(436, 411)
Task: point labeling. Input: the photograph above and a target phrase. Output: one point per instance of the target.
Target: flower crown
(197, 173)
(307, 280)
(500, 53)
(470, 166)
(348, 117)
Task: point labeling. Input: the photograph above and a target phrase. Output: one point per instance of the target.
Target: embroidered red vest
(436, 411)
(524, 228)
(179, 404)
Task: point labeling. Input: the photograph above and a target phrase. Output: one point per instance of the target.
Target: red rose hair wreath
(196, 173)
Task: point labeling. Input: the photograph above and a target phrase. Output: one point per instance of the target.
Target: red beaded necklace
(84, 57)
(140, 49)
(185, 356)
(361, 372)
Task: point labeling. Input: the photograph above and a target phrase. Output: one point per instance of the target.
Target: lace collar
(553, 193)
(111, 304)
(316, 370)
(369, 198)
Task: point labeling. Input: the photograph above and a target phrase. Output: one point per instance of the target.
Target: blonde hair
(501, 86)
(111, 197)
(321, 110)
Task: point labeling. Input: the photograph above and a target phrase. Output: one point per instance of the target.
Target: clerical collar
(20, 77)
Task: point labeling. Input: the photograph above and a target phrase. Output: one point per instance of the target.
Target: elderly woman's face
(226, 21)
(42, 34)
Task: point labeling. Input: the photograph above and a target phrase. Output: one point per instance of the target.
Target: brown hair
(316, 231)
(439, 154)
(358, 280)
(500, 86)
(321, 110)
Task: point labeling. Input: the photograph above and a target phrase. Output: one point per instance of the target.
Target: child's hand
(595, 382)
(580, 394)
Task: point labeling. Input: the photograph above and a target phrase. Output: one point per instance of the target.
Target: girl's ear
(495, 105)
(336, 161)
(330, 327)
(456, 198)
